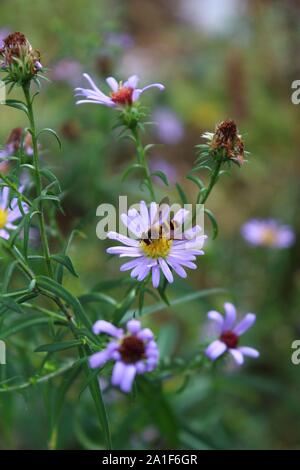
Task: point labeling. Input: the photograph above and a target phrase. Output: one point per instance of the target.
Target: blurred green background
(218, 59)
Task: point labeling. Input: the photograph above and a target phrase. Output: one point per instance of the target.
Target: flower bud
(227, 139)
(18, 59)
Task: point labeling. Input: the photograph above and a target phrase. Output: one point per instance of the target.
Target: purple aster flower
(169, 127)
(122, 94)
(67, 70)
(229, 335)
(134, 352)
(9, 212)
(157, 243)
(268, 232)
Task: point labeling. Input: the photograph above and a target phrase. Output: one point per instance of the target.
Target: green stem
(141, 159)
(212, 182)
(38, 179)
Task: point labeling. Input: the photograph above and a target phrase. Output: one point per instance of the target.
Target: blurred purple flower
(122, 94)
(4, 32)
(14, 141)
(169, 127)
(229, 335)
(134, 352)
(9, 212)
(67, 70)
(121, 40)
(160, 164)
(153, 249)
(268, 232)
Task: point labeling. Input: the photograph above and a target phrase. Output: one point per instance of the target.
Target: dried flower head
(226, 141)
(19, 59)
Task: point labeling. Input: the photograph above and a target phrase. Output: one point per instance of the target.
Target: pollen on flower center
(132, 349)
(122, 96)
(3, 218)
(230, 339)
(157, 248)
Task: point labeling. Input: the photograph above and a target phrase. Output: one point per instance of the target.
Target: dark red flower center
(230, 339)
(122, 96)
(132, 349)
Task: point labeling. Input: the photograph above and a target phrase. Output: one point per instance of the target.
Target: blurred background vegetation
(218, 59)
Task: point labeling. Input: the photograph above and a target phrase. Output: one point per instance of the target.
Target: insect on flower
(122, 94)
(229, 335)
(159, 243)
(134, 352)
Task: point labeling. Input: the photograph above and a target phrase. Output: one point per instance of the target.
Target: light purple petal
(4, 234)
(133, 326)
(137, 92)
(215, 349)
(230, 316)
(117, 373)
(99, 359)
(128, 378)
(4, 197)
(246, 351)
(144, 213)
(237, 356)
(145, 335)
(178, 269)
(132, 82)
(93, 85)
(112, 83)
(131, 264)
(155, 276)
(244, 324)
(103, 326)
(216, 317)
(122, 238)
(140, 367)
(166, 270)
(123, 250)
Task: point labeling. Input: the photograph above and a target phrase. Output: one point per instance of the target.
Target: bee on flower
(158, 243)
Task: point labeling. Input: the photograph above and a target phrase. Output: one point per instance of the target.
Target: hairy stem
(141, 158)
(38, 179)
(212, 182)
